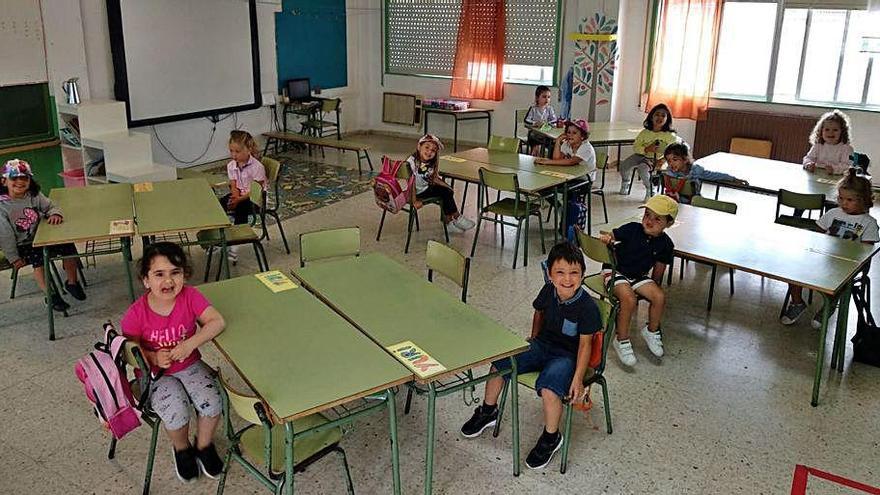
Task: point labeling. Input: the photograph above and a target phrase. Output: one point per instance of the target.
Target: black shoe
(483, 418)
(209, 462)
(543, 451)
(76, 291)
(185, 464)
(58, 303)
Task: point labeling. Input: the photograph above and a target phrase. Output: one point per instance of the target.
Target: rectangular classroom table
(765, 176)
(181, 205)
(88, 212)
(820, 262)
(392, 304)
(457, 115)
(301, 358)
(603, 133)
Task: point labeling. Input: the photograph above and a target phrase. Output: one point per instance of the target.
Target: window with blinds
(420, 36)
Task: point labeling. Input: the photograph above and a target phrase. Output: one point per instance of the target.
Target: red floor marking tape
(801, 473)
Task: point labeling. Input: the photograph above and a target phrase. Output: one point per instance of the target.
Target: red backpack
(386, 187)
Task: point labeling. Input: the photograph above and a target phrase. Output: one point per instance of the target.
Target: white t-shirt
(586, 153)
(862, 227)
(422, 173)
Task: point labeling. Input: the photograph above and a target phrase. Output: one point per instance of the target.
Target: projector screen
(182, 59)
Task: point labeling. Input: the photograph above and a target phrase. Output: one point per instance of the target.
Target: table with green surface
(392, 304)
(765, 176)
(302, 358)
(817, 261)
(458, 115)
(178, 206)
(603, 133)
(88, 212)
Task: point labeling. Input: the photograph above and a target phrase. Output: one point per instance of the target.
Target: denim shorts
(556, 367)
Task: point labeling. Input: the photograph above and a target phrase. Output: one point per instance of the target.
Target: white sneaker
(647, 194)
(624, 351)
(624, 188)
(655, 344)
(464, 223)
(452, 228)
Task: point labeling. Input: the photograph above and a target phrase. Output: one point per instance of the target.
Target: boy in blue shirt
(642, 251)
(560, 344)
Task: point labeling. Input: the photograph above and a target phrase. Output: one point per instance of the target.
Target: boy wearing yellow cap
(642, 251)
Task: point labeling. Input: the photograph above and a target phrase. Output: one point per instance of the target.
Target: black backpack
(866, 341)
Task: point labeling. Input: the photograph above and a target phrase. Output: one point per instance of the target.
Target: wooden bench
(275, 138)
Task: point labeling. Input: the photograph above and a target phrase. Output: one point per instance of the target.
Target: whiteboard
(181, 59)
(21, 43)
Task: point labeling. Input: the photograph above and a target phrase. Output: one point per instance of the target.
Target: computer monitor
(299, 89)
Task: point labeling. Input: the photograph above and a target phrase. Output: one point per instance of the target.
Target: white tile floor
(726, 411)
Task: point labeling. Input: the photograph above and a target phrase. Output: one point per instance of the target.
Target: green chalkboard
(25, 115)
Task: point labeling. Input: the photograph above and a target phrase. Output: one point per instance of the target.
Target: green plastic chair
(599, 189)
(599, 252)
(608, 313)
(712, 204)
(519, 207)
(329, 243)
(319, 125)
(6, 265)
(259, 446)
(273, 171)
(140, 387)
(502, 143)
(403, 174)
(800, 202)
(239, 234)
(519, 120)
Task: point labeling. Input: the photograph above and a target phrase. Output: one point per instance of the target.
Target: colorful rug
(307, 185)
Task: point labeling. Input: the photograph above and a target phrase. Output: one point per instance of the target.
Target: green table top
(392, 304)
(296, 353)
(603, 133)
(214, 179)
(817, 261)
(178, 205)
(87, 212)
(517, 161)
(769, 176)
(529, 182)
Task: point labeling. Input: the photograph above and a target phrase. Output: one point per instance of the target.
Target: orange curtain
(684, 56)
(479, 51)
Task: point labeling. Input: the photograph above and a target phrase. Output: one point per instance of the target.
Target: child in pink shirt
(169, 323)
(830, 149)
(244, 168)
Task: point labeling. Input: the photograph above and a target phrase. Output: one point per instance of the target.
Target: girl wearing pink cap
(428, 184)
(572, 148)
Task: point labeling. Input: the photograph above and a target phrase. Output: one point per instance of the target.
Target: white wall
(78, 44)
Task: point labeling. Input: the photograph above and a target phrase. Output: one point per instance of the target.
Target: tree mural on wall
(595, 62)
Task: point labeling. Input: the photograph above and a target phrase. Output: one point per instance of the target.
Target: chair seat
(237, 234)
(507, 207)
(319, 123)
(596, 283)
(252, 444)
(798, 222)
(529, 379)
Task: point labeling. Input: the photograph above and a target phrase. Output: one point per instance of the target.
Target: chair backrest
(243, 405)
(595, 249)
(273, 168)
(330, 243)
(501, 143)
(760, 148)
(330, 104)
(500, 181)
(519, 119)
(714, 204)
(799, 201)
(450, 263)
(601, 164)
(608, 314)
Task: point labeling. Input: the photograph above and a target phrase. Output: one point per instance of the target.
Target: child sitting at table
(169, 322)
(647, 147)
(424, 166)
(242, 169)
(830, 149)
(22, 206)
(850, 220)
(682, 170)
(542, 112)
(573, 148)
(559, 347)
(642, 251)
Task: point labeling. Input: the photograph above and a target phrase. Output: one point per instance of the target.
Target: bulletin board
(21, 43)
(311, 42)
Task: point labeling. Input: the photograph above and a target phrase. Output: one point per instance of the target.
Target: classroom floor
(726, 411)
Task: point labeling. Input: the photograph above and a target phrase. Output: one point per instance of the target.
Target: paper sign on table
(120, 227)
(416, 359)
(143, 187)
(453, 159)
(560, 175)
(275, 281)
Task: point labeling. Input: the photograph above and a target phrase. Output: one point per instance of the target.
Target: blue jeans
(556, 367)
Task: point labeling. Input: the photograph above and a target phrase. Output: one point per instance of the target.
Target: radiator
(789, 133)
(400, 108)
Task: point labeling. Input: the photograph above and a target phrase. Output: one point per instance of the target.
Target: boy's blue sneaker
(484, 417)
(542, 453)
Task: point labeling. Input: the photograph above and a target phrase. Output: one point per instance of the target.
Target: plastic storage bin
(74, 178)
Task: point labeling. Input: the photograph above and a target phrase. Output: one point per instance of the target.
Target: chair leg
(607, 405)
(111, 453)
(681, 269)
(348, 482)
(408, 404)
(541, 232)
(711, 288)
(208, 262)
(257, 256)
(274, 215)
(516, 242)
(604, 205)
(79, 272)
(730, 275)
(381, 223)
(412, 214)
(497, 428)
(476, 234)
(151, 457)
(265, 258)
(785, 302)
(14, 283)
(226, 464)
(566, 439)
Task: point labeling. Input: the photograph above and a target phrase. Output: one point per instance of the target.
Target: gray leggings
(643, 163)
(172, 395)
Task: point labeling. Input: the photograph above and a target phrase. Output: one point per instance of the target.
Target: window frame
(774, 58)
(554, 80)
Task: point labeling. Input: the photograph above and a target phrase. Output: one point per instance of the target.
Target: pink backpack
(102, 373)
(386, 188)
